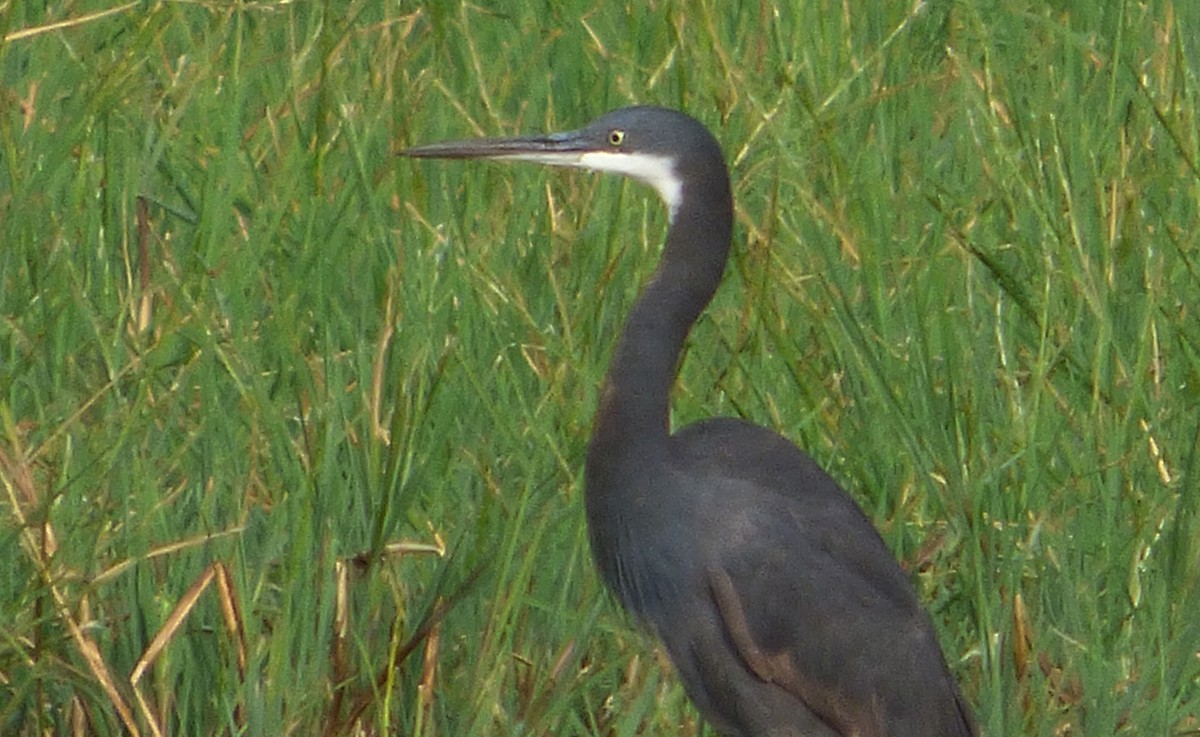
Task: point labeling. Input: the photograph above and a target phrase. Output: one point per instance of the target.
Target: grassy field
(292, 430)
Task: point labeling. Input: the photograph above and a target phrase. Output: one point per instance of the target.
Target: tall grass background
(291, 429)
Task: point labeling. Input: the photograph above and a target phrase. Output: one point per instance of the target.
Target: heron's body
(781, 607)
(779, 604)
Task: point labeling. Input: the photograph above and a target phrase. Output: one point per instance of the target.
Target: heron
(780, 606)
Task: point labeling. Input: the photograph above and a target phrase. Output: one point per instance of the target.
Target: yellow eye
(616, 136)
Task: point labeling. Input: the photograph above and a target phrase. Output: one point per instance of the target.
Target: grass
(291, 430)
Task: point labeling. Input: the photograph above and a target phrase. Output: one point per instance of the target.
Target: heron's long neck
(632, 423)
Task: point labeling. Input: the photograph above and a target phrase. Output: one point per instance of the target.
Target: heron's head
(663, 148)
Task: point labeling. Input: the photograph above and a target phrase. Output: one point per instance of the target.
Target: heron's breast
(650, 543)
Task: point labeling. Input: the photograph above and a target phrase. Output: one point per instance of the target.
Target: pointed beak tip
(417, 152)
(562, 149)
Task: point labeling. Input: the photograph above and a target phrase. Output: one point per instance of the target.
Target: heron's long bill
(555, 149)
(597, 148)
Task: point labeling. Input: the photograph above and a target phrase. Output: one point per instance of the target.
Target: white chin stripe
(549, 158)
(657, 171)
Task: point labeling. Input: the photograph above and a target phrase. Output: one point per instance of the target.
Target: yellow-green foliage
(291, 430)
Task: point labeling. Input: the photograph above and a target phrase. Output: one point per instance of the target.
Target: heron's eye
(616, 136)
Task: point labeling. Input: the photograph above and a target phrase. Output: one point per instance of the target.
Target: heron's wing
(808, 595)
(835, 706)
(864, 665)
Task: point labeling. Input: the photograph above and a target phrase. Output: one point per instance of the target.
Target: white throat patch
(657, 171)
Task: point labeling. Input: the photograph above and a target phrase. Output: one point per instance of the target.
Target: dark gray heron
(781, 607)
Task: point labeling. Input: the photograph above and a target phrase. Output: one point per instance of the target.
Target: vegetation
(291, 430)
